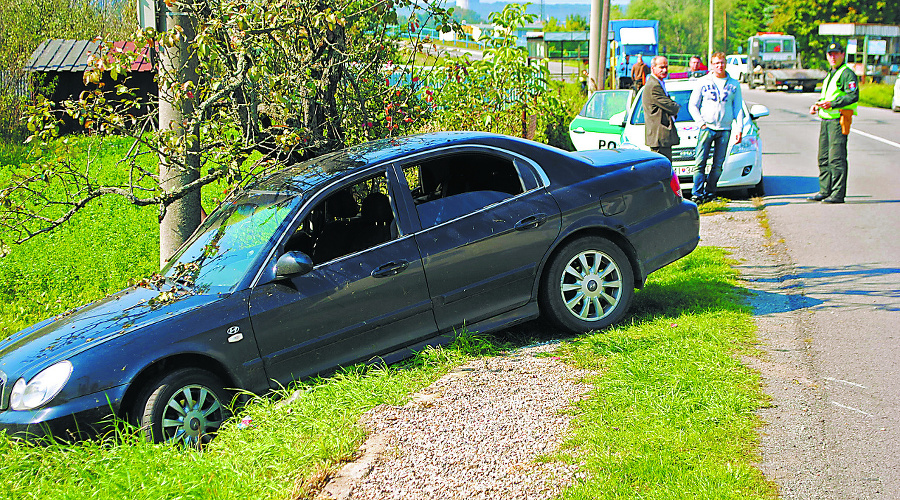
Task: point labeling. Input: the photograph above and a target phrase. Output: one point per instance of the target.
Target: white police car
(743, 165)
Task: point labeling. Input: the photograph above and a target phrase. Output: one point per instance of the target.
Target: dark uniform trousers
(832, 160)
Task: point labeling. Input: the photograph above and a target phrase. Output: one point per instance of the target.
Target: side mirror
(618, 119)
(293, 264)
(758, 111)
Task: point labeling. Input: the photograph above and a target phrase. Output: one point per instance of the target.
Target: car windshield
(231, 242)
(604, 104)
(682, 97)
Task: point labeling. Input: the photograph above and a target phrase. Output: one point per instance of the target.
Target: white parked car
(743, 165)
(736, 66)
(895, 101)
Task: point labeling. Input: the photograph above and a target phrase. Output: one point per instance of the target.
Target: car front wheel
(186, 407)
(588, 285)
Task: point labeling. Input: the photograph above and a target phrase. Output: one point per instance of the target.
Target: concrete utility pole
(594, 47)
(604, 43)
(598, 44)
(183, 216)
(709, 52)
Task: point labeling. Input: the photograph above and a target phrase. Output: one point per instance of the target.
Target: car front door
(365, 296)
(592, 129)
(486, 224)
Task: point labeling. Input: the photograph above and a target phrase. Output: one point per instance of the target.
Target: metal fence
(15, 84)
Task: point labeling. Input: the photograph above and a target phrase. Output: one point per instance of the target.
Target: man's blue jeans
(717, 140)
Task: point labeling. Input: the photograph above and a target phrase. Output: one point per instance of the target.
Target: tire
(756, 190)
(186, 406)
(578, 294)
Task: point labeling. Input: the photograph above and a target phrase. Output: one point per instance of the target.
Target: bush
(12, 128)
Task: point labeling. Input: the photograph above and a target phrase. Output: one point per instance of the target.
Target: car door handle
(390, 269)
(530, 222)
(579, 130)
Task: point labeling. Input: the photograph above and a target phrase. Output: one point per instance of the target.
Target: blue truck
(628, 38)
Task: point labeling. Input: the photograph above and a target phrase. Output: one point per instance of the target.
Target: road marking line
(851, 409)
(875, 137)
(830, 379)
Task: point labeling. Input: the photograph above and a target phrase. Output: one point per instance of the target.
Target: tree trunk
(182, 216)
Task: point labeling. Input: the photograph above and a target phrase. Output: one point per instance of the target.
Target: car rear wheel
(588, 285)
(184, 407)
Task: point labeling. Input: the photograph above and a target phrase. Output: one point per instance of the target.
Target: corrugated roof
(856, 29)
(74, 55)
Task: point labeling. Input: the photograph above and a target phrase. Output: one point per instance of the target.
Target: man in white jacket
(715, 105)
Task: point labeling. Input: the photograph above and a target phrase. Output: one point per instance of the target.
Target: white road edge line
(851, 409)
(830, 379)
(870, 136)
(875, 137)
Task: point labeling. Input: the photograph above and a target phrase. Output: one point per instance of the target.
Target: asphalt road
(846, 261)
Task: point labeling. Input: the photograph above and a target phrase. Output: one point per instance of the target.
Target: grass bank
(672, 412)
(876, 95)
(671, 415)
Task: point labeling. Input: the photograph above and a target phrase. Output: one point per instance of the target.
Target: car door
(592, 129)
(365, 295)
(486, 223)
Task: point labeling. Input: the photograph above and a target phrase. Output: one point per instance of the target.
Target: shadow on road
(782, 185)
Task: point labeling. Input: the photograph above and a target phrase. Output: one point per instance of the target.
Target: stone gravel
(476, 433)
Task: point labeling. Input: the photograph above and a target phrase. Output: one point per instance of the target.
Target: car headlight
(746, 144)
(42, 388)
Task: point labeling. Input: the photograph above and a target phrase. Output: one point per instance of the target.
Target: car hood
(63, 336)
(687, 135)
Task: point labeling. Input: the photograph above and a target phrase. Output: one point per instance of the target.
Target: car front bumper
(742, 170)
(80, 417)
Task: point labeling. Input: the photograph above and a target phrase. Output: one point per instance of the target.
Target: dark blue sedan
(369, 253)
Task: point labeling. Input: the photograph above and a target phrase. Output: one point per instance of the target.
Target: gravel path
(478, 432)
(474, 434)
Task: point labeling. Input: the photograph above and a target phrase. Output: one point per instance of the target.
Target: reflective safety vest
(831, 91)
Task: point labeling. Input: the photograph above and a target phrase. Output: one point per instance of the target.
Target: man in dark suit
(660, 110)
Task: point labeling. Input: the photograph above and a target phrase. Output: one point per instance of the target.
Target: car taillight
(674, 184)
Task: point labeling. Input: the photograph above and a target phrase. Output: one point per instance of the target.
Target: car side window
(351, 219)
(682, 97)
(451, 186)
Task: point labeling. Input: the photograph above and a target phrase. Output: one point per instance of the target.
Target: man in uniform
(836, 107)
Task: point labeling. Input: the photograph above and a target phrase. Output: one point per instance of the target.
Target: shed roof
(74, 56)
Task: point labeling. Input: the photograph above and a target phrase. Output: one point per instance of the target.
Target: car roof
(304, 176)
(682, 84)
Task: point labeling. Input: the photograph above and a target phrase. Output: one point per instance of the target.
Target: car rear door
(486, 223)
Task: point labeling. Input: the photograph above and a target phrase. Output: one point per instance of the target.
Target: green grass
(710, 207)
(103, 247)
(877, 95)
(672, 410)
(283, 454)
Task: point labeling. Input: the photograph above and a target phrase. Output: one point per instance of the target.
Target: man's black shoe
(832, 200)
(818, 197)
